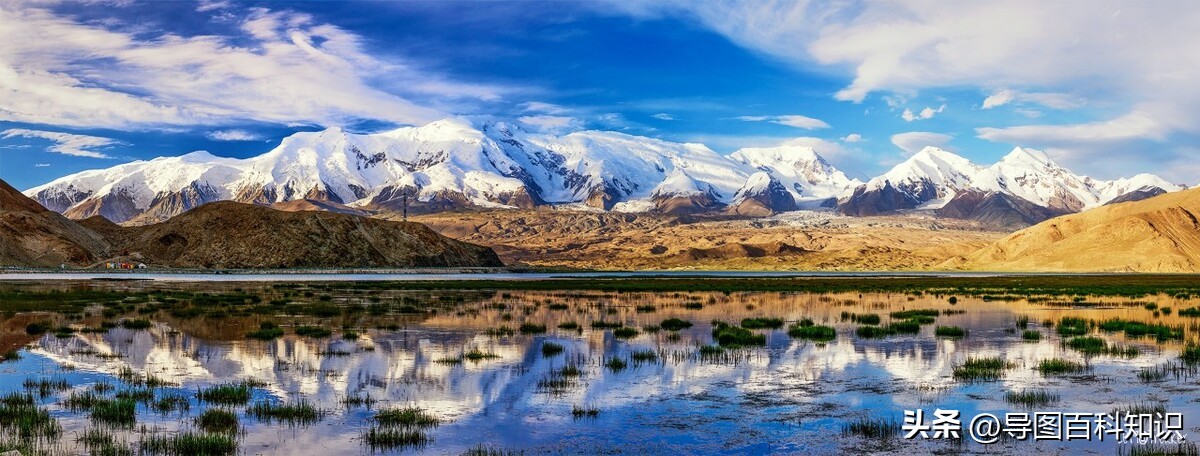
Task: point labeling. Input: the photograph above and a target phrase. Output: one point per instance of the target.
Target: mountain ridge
(453, 164)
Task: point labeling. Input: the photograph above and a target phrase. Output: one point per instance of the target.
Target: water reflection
(789, 396)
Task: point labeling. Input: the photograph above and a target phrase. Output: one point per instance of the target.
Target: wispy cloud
(234, 135)
(1049, 100)
(795, 120)
(663, 116)
(908, 115)
(65, 143)
(913, 141)
(549, 123)
(280, 67)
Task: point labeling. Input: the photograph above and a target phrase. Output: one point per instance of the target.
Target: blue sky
(1108, 91)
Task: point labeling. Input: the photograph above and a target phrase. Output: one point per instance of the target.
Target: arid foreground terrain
(792, 241)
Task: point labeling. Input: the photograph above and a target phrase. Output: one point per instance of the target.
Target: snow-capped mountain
(454, 163)
(445, 164)
(1024, 187)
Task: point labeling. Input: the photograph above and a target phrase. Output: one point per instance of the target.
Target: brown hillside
(31, 235)
(1159, 234)
(236, 235)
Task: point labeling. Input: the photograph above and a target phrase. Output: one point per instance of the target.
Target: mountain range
(453, 164)
(226, 234)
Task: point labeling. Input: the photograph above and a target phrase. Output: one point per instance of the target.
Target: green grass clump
(21, 417)
(1190, 354)
(476, 355)
(954, 332)
(37, 328)
(550, 349)
(300, 412)
(675, 324)
(904, 327)
(46, 387)
(382, 439)
(568, 325)
(625, 333)
(1059, 366)
(217, 419)
(115, 412)
(1072, 326)
(190, 443)
(813, 332)
(601, 324)
(644, 356)
(226, 394)
(266, 331)
(413, 417)
(1088, 345)
(762, 323)
(316, 332)
(648, 308)
(10, 355)
(873, 332)
(862, 319)
(729, 336)
(1031, 398)
(880, 428)
(1031, 335)
(532, 328)
(981, 369)
(907, 314)
(615, 364)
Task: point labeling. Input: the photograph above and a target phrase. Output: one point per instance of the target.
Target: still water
(464, 358)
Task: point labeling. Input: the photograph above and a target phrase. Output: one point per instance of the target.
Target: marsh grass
(762, 323)
(226, 394)
(551, 349)
(532, 328)
(102, 442)
(1158, 449)
(675, 324)
(873, 332)
(411, 417)
(1031, 335)
(1060, 366)
(475, 355)
(266, 331)
(585, 411)
(362, 401)
(1087, 345)
(115, 412)
(625, 332)
(952, 332)
(299, 412)
(982, 369)
(383, 439)
(643, 356)
(482, 450)
(812, 332)
(734, 336)
(877, 428)
(615, 364)
(862, 319)
(1031, 398)
(45, 387)
(908, 314)
(315, 332)
(20, 417)
(190, 443)
(8, 356)
(218, 420)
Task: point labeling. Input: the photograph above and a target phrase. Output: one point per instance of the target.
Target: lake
(348, 368)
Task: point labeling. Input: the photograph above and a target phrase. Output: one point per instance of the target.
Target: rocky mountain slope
(226, 235)
(454, 164)
(31, 235)
(1158, 234)
(449, 164)
(1023, 188)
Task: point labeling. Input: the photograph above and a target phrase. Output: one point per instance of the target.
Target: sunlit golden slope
(1159, 234)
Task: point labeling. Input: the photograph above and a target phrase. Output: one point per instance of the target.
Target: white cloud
(1049, 100)
(283, 67)
(913, 141)
(234, 135)
(795, 120)
(908, 115)
(852, 138)
(549, 123)
(1132, 126)
(65, 143)
(663, 116)
(41, 165)
(546, 108)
